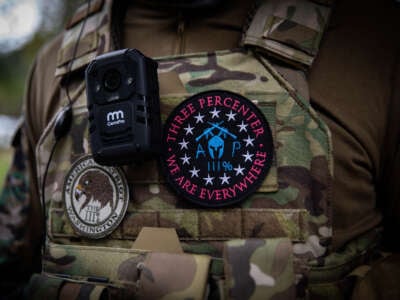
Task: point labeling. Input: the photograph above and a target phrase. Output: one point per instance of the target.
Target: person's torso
(263, 244)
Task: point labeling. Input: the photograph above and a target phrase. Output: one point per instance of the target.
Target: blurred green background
(25, 25)
(5, 159)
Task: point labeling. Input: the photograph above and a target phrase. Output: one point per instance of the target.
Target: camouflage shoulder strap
(95, 38)
(289, 30)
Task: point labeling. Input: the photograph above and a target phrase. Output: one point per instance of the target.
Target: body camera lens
(112, 80)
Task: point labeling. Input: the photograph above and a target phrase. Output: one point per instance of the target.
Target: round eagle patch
(217, 148)
(96, 197)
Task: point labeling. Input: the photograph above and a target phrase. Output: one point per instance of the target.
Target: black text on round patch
(217, 148)
(96, 197)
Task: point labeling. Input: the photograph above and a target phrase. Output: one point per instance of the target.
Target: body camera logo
(115, 118)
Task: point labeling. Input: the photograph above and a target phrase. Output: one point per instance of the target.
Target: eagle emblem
(96, 197)
(94, 186)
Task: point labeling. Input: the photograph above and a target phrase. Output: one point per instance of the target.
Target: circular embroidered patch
(217, 148)
(96, 197)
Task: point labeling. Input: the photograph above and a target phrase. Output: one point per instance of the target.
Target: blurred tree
(14, 66)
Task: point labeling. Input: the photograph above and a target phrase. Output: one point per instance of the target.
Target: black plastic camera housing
(124, 107)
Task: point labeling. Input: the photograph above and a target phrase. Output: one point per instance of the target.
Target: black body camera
(124, 107)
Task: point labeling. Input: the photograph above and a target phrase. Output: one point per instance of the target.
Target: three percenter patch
(217, 148)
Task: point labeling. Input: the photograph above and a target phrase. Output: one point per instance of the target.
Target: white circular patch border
(120, 187)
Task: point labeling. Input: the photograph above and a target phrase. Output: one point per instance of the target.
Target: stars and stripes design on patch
(217, 148)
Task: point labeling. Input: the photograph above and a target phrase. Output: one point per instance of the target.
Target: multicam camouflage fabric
(95, 38)
(291, 30)
(259, 269)
(14, 205)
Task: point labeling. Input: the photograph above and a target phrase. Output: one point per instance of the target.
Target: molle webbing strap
(82, 12)
(211, 225)
(290, 30)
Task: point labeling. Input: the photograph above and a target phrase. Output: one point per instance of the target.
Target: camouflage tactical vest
(275, 243)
